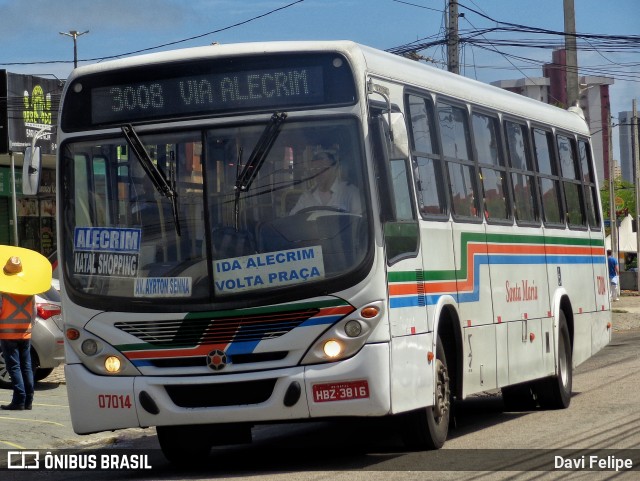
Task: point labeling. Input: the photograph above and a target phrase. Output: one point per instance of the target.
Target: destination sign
(205, 93)
(207, 86)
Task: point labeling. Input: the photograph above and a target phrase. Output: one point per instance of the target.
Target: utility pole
(612, 198)
(571, 52)
(453, 63)
(74, 34)
(636, 163)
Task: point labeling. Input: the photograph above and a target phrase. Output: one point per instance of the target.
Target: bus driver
(329, 189)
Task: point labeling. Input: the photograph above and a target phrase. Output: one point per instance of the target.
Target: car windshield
(300, 220)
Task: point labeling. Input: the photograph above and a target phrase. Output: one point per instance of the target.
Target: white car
(47, 342)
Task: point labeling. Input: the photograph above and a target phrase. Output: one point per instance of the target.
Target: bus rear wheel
(427, 428)
(555, 392)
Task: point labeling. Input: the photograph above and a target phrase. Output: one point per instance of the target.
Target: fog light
(332, 348)
(89, 347)
(112, 364)
(353, 328)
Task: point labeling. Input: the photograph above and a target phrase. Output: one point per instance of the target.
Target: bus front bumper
(359, 386)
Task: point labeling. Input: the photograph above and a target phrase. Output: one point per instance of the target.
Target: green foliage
(623, 190)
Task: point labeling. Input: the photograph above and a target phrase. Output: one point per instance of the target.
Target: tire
(183, 445)
(40, 373)
(555, 392)
(428, 428)
(5, 379)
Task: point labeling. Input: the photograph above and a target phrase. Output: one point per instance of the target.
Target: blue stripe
(495, 259)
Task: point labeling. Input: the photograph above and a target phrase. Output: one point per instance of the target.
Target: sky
(31, 42)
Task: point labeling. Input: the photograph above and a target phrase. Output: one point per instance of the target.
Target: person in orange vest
(16, 320)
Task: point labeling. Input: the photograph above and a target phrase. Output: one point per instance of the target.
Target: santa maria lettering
(521, 291)
(272, 269)
(162, 287)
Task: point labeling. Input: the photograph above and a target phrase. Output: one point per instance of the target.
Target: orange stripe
(474, 248)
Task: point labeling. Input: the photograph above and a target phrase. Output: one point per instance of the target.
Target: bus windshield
(300, 221)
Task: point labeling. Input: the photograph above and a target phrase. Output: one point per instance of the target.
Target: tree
(624, 191)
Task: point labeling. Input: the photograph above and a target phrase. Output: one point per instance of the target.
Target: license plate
(340, 391)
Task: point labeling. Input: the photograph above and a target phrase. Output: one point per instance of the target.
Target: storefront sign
(31, 109)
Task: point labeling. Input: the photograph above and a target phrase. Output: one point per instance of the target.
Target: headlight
(97, 355)
(345, 338)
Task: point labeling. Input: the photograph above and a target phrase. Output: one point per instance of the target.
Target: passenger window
(463, 192)
(571, 181)
(454, 131)
(492, 172)
(422, 125)
(427, 163)
(549, 179)
(522, 178)
(456, 148)
(543, 152)
(590, 191)
(430, 186)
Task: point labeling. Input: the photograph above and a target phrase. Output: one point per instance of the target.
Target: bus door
(411, 379)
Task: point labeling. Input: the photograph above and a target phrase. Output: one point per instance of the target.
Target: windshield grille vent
(190, 332)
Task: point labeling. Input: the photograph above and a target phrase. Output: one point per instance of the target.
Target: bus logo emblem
(216, 360)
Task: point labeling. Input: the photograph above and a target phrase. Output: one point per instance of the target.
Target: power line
(195, 37)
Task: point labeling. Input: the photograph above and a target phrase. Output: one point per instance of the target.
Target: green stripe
(480, 237)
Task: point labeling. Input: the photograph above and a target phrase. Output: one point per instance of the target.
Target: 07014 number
(114, 401)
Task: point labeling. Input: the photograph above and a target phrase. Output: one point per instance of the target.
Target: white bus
(270, 232)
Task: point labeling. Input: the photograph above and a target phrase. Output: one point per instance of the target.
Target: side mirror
(400, 140)
(396, 133)
(31, 171)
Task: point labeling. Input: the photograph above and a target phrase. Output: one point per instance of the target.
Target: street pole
(14, 199)
(453, 63)
(636, 163)
(571, 52)
(74, 34)
(612, 199)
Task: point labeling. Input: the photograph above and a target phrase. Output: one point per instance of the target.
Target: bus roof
(377, 62)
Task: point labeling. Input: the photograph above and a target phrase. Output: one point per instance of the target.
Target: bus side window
(571, 184)
(493, 176)
(588, 180)
(427, 163)
(522, 176)
(456, 150)
(548, 177)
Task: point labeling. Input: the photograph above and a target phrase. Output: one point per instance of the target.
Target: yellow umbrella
(24, 271)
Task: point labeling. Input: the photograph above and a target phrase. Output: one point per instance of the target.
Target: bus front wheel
(427, 428)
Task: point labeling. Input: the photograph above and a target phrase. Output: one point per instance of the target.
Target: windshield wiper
(157, 178)
(257, 158)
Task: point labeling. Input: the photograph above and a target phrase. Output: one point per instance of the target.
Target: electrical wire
(134, 52)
